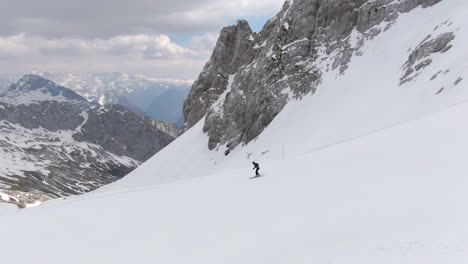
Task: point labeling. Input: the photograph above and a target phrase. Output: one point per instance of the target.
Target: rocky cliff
(251, 76)
(54, 143)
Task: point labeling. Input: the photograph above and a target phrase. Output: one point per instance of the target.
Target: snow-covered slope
(364, 170)
(398, 196)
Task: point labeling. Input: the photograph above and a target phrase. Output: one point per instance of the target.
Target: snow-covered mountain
(54, 143)
(139, 93)
(355, 111)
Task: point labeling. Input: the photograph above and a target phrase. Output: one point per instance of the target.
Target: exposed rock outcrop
(281, 62)
(233, 49)
(420, 56)
(54, 143)
(123, 132)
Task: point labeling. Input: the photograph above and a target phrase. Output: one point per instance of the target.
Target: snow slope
(373, 172)
(7, 208)
(398, 196)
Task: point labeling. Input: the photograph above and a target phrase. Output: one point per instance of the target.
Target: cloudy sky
(158, 38)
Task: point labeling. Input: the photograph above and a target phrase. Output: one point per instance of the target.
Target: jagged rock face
(420, 56)
(48, 115)
(54, 143)
(123, 132)
(233, 49)
(284, 64)
(169, 128)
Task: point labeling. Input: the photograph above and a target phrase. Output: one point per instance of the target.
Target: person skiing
(256, 168)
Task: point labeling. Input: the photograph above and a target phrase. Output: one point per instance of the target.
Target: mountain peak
(242, 23)
(34, 88)
(234, 49)
(32, 82)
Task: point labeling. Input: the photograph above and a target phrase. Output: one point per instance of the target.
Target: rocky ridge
(54, 143)
(251, 76)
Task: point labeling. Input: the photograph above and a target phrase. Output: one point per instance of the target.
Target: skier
(256, 168)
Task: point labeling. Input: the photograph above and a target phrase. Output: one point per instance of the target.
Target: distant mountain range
(158, 99)
(54, 142)
(4, 83)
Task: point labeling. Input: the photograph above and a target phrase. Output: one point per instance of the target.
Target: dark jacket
(256, 165)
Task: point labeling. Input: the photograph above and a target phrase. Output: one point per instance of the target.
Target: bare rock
(239, 100)
(420, 56)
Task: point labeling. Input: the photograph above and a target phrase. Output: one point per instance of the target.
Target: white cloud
(120, 53)
(107, 18)
(110, 35)
(217, 12)
(14, 46)
(158, 46)
(205, 42)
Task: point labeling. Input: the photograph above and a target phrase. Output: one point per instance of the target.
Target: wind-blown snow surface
(373, 172)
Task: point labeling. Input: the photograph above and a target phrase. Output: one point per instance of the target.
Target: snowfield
(398, 196)
(365, 171)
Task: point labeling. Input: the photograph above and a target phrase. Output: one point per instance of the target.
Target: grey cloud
(116, 35)
(149, 46)
(106, 18)
(126, 53)
(103, 18)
